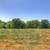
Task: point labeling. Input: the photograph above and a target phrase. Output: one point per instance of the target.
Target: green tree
(44, 24)
(17, 23)
(9, 24)
(2, 24)
(33, 24)
(49, 25)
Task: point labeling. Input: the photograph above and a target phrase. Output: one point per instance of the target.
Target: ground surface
(25, 39)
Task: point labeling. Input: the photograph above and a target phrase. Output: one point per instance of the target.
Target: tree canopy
(17, 23)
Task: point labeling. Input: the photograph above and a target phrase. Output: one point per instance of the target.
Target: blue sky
(24, 9)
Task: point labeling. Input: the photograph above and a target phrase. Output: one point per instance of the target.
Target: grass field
(24, 39)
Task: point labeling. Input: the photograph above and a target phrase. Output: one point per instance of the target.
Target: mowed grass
(26, 37)
(19, 34)
(29, 38)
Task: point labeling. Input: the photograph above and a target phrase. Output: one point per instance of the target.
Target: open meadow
(24, 39)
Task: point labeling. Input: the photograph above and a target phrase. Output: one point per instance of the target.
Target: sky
(24, 9)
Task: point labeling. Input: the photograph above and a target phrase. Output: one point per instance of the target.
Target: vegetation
(29, 35)
(24, 39)
(19, 24)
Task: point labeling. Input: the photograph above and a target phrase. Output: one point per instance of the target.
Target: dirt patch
(11, 46)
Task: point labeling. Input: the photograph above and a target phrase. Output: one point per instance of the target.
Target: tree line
(17, 23)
